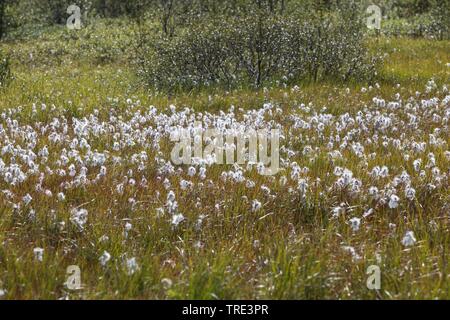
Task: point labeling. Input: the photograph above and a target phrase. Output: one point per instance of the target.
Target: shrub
(4, 16)
(197, 58)
(53, 11)
(253, 49)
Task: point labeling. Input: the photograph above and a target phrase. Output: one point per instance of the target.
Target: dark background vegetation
(190, 44)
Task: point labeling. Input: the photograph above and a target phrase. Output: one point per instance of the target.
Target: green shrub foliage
(258, 46)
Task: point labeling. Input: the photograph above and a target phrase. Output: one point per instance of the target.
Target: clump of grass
(5, 70)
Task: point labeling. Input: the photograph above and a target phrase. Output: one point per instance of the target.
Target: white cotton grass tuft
(127, 229)
(60, 161)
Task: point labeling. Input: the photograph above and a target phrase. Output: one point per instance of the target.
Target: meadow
(86, 179)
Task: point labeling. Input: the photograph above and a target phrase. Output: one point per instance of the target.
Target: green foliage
(2, 18)
(5, 19)
(408, 8)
